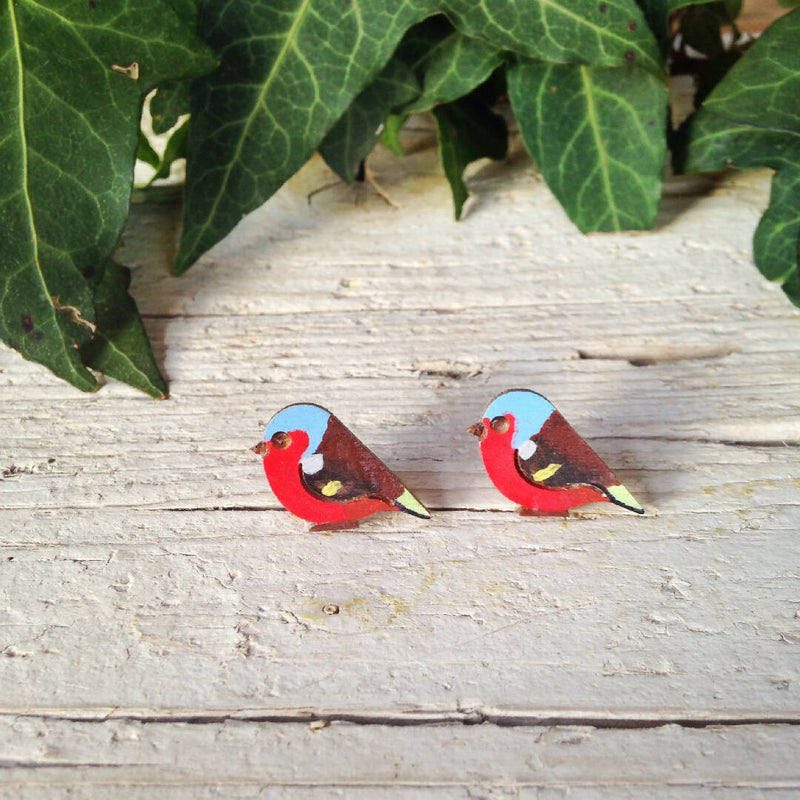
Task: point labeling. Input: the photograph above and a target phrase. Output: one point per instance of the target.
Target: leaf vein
(273, 74)
(591, 114)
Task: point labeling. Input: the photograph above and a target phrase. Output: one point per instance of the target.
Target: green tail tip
(622, 497)
(408, 503)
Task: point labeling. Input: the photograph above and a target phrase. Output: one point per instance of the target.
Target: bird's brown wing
(350, 471)
(562, 458)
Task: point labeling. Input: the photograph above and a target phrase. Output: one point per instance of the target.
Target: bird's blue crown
(530, 410)
(306, 417)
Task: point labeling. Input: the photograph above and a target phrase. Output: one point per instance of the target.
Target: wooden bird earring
(536, 458)
(323, 474)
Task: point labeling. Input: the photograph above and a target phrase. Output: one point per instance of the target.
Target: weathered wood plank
(515, 248)
(676, 614)
(240, 759)
(411, 400)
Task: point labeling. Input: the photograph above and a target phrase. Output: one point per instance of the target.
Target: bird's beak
(261, 449)
(478, 429)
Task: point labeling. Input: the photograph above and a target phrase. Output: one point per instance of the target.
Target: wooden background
(167, 628)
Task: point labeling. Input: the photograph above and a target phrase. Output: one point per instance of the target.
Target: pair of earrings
(322, 473)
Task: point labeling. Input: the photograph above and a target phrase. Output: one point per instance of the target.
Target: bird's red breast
(501, 464)
(285, 476)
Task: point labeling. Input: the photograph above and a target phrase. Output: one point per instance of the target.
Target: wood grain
(167, 628)
(134, 759)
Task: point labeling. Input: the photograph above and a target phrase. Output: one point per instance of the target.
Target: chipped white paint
(146, 572)
(125, 759)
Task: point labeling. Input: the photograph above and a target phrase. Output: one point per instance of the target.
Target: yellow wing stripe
(331, 487)
(546, 472)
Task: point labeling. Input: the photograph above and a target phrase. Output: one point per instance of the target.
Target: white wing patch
(527, 449)
(312, 464)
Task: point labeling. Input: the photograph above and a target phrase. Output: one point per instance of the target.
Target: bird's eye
(280, 440)
(500, 424)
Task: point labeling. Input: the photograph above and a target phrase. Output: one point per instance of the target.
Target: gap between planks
(503, 718)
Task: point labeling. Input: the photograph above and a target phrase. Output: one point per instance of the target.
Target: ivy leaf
(775, 242)
(434, 63)
(390, 135)
(187, 10)
(598, 137)
(468, 130)
(72, 80)
(146, 153)
(287, 74)
(120, 347)
(752, 119)
(355, 134)
(452, 68)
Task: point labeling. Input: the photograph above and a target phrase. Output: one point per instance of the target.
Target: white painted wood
(148, 578)
(681, 614)
(134, 759)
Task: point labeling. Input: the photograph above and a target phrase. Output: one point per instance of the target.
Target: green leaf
(452, 68)
(72, 79)
(598, 137)
(187, 10)
(290, 69)
(732, 9)
(468, 130)
(170, 102)
(390, 135)
(762, 89)
(775, 239)
(145, 152)
(434, 63)
(119, 347)
(752, 119)
(355, 134)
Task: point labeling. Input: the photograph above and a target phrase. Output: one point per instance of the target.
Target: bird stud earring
(323, 474)
(535, 458)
